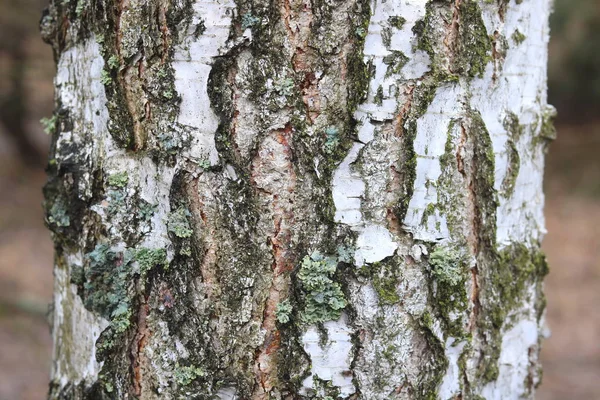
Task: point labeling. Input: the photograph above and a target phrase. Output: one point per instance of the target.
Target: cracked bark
(289, 199)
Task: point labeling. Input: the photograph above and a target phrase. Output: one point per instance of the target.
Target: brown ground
(571, 357)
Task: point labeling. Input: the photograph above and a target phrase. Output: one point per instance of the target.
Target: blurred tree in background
(574, 65)
(23, 63)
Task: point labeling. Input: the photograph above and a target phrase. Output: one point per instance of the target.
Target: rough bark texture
(282, 199)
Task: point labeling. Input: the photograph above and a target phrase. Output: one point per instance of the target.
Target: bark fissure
(259, 199)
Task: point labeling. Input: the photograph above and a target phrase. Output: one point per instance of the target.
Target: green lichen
(333, 140)
(118, 180)
(248, 21)
(323, 297)
(345, 254)
(179, 224)
(81, 4)
(285, 86)
(360, 32)
(150, 258)
(106, 287)
(146, 210)
(449, 273)
(446, 265)
(204, 163)
(284, 311)
(58, 214)
(113, 62)
(49, 124)
(116, 201)
(105, 77)
(185, 375)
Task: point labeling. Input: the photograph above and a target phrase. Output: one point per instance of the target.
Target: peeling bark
(287, 199)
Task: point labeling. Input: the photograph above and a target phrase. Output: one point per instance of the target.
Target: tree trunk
(284, 199)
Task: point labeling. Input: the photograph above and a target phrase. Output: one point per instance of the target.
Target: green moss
(179, 224)
(517, 267)
(506, 285)
(397, 21)
(433, 371)
(548, 130)
(518, 37)
(284, 311)
(378, 99)
(323, 297)
(515, 130)
(474, 45)
(385, 277)
(485, 171)
(513, 126)
(512, 172)
(324, 390)
(118, 180)
(395, 61)
(199, 29)
(359, 72)
(428, 212)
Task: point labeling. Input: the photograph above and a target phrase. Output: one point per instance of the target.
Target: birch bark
(281, 199)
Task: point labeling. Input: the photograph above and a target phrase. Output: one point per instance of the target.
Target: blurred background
(571, 357)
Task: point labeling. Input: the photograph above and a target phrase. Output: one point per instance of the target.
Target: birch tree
(288, 199)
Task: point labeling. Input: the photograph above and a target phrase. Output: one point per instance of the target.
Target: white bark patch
(513, 362)
(450, 386)
(374, 244)
(429, 145)
(80, 90)
(227, 393)
(193, 63)
(75, 333)
(332, 361)
(375, 241)
(521, 89)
